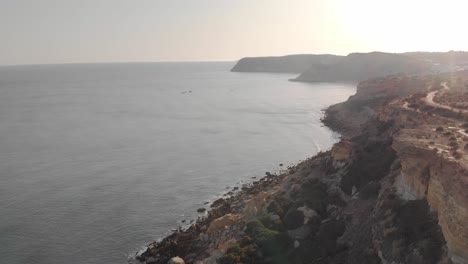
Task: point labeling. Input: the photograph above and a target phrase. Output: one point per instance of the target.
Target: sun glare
(405, 25)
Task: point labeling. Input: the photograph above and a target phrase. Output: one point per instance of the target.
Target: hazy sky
(65, 31)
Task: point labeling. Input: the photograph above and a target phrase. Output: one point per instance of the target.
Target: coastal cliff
(356, 67)
(362, 66)
(284, 64)
(440, 181)
(434, 168)
(393, 190)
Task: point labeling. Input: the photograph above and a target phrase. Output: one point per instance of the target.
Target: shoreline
(369, 199)
(233, 197)
(226, 203)
(231, 202)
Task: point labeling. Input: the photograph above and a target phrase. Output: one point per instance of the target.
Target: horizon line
(109, 62)
(207, 61)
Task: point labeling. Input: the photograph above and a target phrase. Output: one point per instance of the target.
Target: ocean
(98, 160)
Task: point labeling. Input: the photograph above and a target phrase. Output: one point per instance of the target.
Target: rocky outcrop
(176, 260)
(285, 64)
(220, 223)
(362, 66)
(371, 95)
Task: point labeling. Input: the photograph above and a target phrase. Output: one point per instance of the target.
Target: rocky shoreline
(349, 204)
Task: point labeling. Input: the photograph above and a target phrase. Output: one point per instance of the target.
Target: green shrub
(240, 253)
(272, 243)
(314, 194)
(266, 221)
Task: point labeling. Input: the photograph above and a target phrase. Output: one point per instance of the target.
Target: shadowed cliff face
(433, 169)
(443, 184)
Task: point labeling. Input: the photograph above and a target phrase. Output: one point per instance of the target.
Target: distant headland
(356, 66)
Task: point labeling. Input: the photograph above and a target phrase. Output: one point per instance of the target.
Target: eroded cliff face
(433, 168)
(428, 144)
(446, 195)
(426, 174)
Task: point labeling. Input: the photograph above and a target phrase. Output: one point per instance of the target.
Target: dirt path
(430, 100)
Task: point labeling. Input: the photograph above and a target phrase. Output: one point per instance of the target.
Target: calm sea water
(97, 160)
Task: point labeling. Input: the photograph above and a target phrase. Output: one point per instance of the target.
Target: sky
(81, 31)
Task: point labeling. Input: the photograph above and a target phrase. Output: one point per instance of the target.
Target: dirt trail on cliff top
(430, 100)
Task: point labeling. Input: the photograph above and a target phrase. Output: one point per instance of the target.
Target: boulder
(176, 260)
(293, 219)
(300, 233)
(274, 218)
(218, 202)
(220, 223)
(256, 205)
(310, 215)
(331, 229)
(213, 259)
(296, 244)
(190, 256)
(151, 260)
